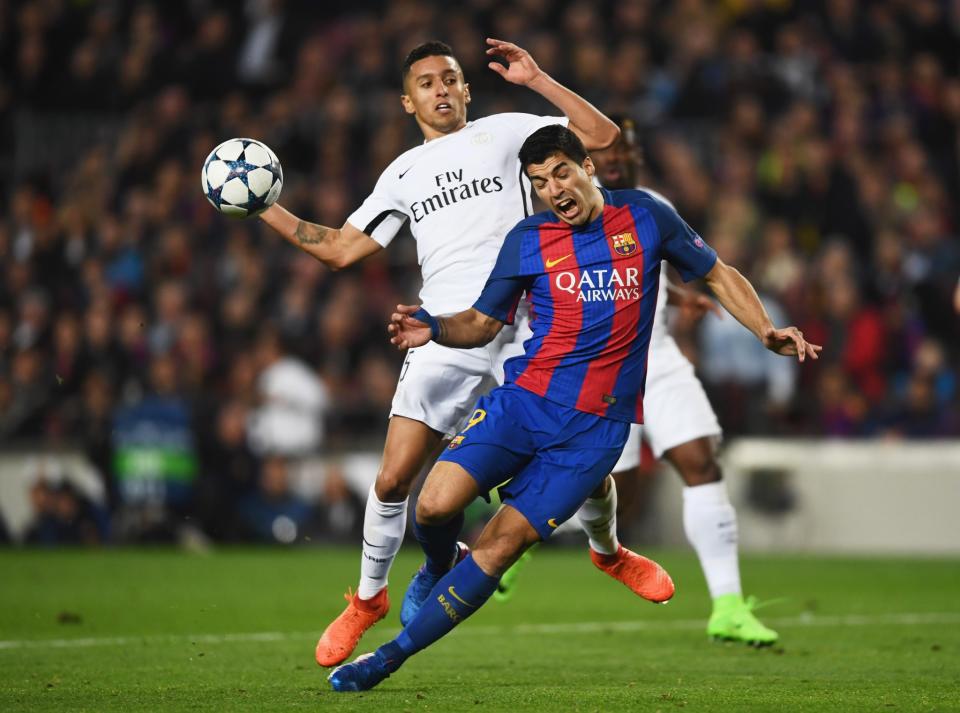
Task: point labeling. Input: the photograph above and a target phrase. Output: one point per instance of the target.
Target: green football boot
(508, 582)
(733, 620)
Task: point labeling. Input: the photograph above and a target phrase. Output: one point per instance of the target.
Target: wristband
(429, 320)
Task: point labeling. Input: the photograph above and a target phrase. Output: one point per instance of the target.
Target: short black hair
(433, 48)
(549, 140)
(628, 128)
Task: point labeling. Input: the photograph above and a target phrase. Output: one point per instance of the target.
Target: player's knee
(432, 509)
(393, 485)
(700, 471)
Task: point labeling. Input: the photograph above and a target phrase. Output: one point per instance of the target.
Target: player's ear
(466, 93)
(407, 104)
(588, 167)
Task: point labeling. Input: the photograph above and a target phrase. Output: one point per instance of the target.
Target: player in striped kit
(557, 426)
(682, 428)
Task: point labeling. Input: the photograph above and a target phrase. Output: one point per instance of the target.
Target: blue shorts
(553, 455)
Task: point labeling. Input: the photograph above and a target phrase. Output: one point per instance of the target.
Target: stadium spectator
(62, 516)
(155, 459)
(27, 392)
(272, 512)
(229, 471)
(61, 513)
(750, 389)
(90, 421)
(289, 418)
(814, 144)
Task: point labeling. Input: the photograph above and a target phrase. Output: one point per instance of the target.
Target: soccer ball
(241, 177)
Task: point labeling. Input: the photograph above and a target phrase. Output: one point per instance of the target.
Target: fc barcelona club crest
(624, 244)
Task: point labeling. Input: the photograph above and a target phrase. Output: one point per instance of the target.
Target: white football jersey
(462, 193)
(659, 331)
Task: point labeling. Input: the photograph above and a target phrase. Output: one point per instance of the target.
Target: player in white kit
(681, 427)
(461, 191)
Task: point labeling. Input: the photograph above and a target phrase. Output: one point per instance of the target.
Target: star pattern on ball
(241, 177)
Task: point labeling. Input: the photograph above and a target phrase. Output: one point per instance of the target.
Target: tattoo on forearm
(310, 233)
(441, 330)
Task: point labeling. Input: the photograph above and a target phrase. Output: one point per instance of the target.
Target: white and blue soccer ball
(241, 177)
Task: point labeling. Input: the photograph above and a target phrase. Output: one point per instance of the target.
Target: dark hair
(628, 128)
(433, 48)
(549, 140)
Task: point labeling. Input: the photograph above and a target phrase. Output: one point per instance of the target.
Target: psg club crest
(624, 244)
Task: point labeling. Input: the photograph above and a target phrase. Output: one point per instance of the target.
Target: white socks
(598, 518)
(383, 528)
(711, 526)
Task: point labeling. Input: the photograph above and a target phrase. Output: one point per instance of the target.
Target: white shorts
(439, 386)
(676, 409)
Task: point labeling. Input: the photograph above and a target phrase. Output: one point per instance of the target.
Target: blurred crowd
(815, 145)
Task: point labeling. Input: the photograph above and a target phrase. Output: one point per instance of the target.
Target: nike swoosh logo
(551, 263)
(552, 522)
(457, 597)
(400, 177)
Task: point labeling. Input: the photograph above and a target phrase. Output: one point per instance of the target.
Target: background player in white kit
(681, 427)
(461, 191)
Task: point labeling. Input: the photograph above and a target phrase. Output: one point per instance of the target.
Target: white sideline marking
(583, 627)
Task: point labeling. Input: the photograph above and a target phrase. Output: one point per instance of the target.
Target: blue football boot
(423, 583)
(361, 674)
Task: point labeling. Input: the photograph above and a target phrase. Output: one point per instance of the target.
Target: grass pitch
(158, 630)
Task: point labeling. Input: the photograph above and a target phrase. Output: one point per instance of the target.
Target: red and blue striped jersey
(593, 294)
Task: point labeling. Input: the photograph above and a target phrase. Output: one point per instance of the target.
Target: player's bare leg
(503, 540)
(409, 444)
(446, 493)
(634, 488)
(710, 523)
(628, 482)
(598, 517)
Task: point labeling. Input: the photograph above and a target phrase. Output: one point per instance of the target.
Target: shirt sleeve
(525, 124)
(505, 286)
(680, 244)
(381, 215)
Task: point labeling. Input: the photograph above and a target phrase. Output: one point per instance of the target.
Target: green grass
(160, 630)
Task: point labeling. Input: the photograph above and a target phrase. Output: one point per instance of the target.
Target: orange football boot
(342, 636)
(643, 576)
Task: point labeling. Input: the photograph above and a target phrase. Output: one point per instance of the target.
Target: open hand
(520, 69)
(789, 341)
(405, 331)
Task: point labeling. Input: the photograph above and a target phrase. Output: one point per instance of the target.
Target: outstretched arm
(738, 297)
(586, 121)
(412, 326)
(335, 248)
